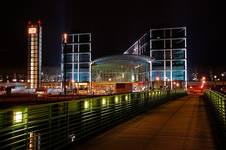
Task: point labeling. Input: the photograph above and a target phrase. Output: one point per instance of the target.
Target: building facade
(34, 62)
(76, 58)
(120, 73)
(168, 46)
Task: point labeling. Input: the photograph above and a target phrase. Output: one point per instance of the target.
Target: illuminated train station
(157, 60)
(120, 74)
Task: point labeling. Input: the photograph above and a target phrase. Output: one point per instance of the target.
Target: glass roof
(123, 59)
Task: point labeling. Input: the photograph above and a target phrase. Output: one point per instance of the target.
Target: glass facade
(167, 46)
(76, 57)
(34, 63)
(110, 74)
(118, 72)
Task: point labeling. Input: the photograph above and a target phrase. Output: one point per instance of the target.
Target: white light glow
(116, 99)
(86, 104)
(18, 117)
(104, 101)
(133, 77)
(32, 30)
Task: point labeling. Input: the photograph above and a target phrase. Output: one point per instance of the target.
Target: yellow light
(149, 93)
(157, 78)
(18, 116)
(86, 104)
(116, 99)
(32, 30)
(177, 84)
(104, 101)
(126, 97)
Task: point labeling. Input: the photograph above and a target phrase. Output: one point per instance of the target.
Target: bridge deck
(180, 124)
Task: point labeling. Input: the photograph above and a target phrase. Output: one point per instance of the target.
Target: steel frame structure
(172, 40)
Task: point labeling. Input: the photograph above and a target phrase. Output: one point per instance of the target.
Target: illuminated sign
(32, 30)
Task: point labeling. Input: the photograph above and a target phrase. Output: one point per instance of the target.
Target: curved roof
(125, 59)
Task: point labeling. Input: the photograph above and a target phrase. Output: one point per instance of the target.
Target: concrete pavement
(181, 124)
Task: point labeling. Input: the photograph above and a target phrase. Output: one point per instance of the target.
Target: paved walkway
(178, 125)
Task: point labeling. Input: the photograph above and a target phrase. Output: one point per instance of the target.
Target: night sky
(114, 25)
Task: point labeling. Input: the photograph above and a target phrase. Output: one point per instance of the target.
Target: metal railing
(54, 125)
(217, 104)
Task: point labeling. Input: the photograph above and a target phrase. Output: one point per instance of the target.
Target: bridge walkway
(181, 124)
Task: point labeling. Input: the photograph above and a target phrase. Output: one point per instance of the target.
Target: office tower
(34, 63)
(76, 59)
(169, 49)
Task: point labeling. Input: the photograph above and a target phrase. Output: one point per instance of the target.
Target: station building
(120, 74)
(157, 60)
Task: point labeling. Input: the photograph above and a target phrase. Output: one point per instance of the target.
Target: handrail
(217, 104)
(54, 125)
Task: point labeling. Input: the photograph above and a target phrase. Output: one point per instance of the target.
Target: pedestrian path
(181, 124)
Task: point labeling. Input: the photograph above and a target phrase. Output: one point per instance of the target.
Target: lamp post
(64, 41)
(215, 78)
(222, 75)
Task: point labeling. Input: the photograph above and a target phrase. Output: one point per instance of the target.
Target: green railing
(54, 125)
(217, 108)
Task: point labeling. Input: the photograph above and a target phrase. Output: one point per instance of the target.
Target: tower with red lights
(34, 61)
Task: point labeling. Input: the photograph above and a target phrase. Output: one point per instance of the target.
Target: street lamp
(203, 78)
(215, 78)
(222, 75)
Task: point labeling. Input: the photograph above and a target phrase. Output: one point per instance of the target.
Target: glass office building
(76, 58)
(34, 62)
(169, 49)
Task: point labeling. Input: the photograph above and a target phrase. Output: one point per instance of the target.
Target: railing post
(224, 112)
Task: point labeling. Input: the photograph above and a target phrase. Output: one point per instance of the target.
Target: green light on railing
(86, 104)
(18, 117)
(126, 97)
(116, 99)
(104, 101)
